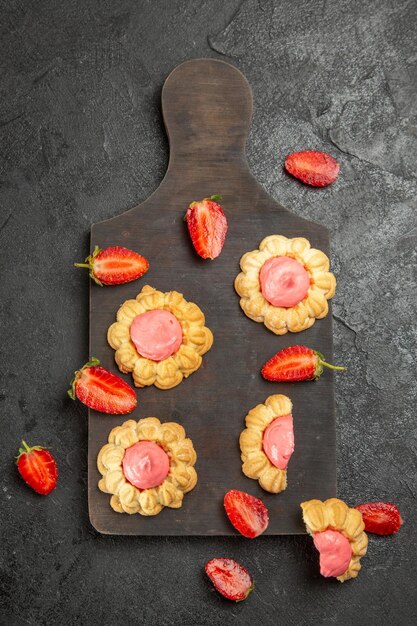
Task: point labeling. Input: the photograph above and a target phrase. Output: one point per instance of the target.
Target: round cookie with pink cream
(159, 337)
(146, 466)
(285, 284)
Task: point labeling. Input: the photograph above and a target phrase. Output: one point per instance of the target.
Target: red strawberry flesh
(381, 518)
(248, 514)
(291, 364)
(38, 468)
(230, 578)
(207, 225)
(312, 167)
(102, 390)
(115, 265)
(295, 363)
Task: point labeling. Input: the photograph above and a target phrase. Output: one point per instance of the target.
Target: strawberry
(230, 578)
(102, 390)
(248, 514)
(38, 468)
(381, 518)
(115, 265)
(207, 225)
(296, 363)
(312, 167)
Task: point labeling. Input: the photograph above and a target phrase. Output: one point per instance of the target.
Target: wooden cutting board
(207, 106)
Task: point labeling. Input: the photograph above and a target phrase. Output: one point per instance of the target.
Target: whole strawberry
(381, 518)
(207, 225)
(102, 390)
(230, 578)
(115, 265)
(296, 363)
(38, 468)
(312, 167)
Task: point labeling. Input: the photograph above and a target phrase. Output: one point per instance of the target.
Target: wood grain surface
(207, 106)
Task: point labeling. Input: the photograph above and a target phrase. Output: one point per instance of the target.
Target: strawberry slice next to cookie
(102, 390)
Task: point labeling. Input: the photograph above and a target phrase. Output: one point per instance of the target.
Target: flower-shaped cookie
(267, 443)
(160, 337)
(147, 465)
(285, 284)
(338, 534)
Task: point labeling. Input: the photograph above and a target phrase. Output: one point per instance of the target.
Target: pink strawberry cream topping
(156, 334)
(278, 441)
(335, 552)
(145, 465)
(284, 281)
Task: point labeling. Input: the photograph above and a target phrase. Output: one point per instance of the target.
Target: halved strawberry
(38, 468)
(381, 518)
(312, 167)
(230, 578)
(102, 390)
(248, 514)
(207, 225)
(296, 363)
(115, 265)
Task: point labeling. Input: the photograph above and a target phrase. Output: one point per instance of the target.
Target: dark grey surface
(81, 141)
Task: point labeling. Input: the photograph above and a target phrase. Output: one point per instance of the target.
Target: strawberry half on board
(102, 390)
(248, 514)
(312, 167)
(207, 225)
(38, 468)
(381, 518)
(230, 578)
(115, 265)
(294, 364)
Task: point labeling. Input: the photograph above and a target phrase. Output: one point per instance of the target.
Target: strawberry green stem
(89, 264)
(92, 363)
(332, 367)
(26, 450)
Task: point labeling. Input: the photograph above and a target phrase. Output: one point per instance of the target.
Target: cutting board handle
(207, 110)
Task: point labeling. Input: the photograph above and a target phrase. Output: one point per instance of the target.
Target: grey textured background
(81, 141)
